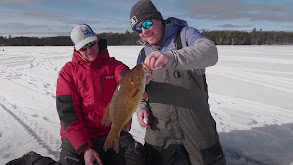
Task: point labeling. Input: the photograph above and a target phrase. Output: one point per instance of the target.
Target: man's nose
(89, 48)
(144, 30)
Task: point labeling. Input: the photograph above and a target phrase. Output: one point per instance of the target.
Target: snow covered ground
(251, 99)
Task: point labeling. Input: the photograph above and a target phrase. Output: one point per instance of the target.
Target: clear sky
(58, 17)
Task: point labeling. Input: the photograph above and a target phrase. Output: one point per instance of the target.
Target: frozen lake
(251, 99)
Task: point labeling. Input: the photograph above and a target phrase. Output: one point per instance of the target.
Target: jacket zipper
(101, 77)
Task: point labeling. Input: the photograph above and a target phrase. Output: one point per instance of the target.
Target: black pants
(173, 155)
(128, 153)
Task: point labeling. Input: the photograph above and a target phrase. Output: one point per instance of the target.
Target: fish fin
(135, 92)
(145, 96)
(127, 126)
(112, 141)
(107, 117)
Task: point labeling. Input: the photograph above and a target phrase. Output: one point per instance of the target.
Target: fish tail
(112, 141)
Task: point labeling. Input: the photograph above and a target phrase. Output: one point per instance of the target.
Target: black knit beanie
(142, 10)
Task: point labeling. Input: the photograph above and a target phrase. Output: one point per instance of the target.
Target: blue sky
(58, 17)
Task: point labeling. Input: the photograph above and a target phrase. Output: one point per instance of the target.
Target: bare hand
(143, 115)
(156, 60)
(90, 156)
(149, 78)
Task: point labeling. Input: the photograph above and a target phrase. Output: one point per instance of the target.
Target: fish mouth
(146, 69)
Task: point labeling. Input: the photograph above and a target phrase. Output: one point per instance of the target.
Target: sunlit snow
(250, 88)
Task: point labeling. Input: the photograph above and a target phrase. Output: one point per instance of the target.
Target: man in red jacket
(85, 86)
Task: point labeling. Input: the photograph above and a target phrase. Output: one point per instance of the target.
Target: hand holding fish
(156, 60)
(141, 116)
(149, 78)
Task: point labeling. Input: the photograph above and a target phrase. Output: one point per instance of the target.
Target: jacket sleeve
(120, 70)
(68, 107)
(199, 53)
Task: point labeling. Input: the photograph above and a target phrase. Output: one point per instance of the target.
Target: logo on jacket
(109, 77)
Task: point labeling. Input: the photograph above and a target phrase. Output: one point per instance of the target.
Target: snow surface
(251, 99)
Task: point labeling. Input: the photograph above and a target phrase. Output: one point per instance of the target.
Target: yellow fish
(125, 100)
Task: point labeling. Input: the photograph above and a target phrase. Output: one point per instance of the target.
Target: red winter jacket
(83, 92)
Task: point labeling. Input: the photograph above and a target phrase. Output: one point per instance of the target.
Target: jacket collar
(102, 56)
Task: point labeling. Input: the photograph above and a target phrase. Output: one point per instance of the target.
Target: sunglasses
(146, 24)
(91, 44)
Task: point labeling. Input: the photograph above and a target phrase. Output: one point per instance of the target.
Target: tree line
(130, 38)
(250, 38)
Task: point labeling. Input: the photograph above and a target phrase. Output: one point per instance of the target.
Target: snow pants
(128, 154)
(174, 155)
(177, 155)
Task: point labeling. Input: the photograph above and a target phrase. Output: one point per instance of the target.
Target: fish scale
(126, 98)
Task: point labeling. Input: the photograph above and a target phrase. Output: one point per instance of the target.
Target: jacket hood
(172, 25)
(176, 21)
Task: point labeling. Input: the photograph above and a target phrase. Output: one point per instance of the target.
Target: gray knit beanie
(142, 10)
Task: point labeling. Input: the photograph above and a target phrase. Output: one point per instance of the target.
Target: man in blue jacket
(180, 127)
